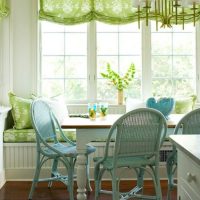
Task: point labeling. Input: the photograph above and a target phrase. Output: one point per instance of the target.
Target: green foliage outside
(120, 82)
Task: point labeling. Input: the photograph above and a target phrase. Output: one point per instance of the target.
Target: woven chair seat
(131, 162)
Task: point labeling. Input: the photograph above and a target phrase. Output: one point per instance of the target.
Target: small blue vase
(165, 105)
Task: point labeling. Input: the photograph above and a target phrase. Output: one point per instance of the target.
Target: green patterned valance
(3, 9)
(118, 11)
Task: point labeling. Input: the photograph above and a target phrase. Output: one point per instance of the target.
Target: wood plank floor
(14, 190)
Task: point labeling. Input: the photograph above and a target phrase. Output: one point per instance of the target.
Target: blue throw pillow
(164, 105)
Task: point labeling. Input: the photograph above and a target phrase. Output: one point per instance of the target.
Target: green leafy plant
(120, 82)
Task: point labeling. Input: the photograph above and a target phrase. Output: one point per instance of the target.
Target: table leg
(83, 136)
(82, 140)
(81, 177)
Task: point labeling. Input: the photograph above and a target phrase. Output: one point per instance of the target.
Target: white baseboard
(2, 178)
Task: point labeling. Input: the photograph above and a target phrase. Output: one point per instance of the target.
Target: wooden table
(89, 130)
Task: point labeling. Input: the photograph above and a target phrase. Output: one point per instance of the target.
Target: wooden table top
(84, 123)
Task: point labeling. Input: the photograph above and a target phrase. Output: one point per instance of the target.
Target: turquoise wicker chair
(189, 124)
(49, 148)
(139, 135)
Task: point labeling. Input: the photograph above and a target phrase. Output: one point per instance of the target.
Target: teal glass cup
(92, 110)
(103, 109)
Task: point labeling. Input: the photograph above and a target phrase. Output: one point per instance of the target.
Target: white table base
(84, 136)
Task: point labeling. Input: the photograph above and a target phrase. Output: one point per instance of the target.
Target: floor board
(18, 190)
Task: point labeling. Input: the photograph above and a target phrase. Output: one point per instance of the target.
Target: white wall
(5, 74)
(18, 54)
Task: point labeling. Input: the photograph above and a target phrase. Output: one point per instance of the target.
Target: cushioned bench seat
(28, 135)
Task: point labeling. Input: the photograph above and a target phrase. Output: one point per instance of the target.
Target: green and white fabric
(15, 136)
(28, 135)
(20, 111)
(3, 9)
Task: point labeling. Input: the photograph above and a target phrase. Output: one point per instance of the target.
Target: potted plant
(120, 82)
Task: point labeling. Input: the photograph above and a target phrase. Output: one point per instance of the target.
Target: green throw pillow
(185, 105)
(20, 111)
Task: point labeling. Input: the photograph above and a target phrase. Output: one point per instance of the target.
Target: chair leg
(156, 179)
(98, 173)
(36, 177)
(53, 171)
(171, 168)
(88, 186)
(171, 184)
(140, 179)
(115, 186)
(168, 193)
(71, 180)
(97, 189)
(97, 181)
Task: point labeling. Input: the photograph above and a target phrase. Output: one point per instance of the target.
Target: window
(72, 58)
(64, 60)
(119, 46)
(173, 61)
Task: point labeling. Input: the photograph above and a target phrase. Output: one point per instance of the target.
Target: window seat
(28, 135)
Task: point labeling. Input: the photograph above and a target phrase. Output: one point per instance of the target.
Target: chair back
(43, 122)
(140, 132)
(189, 124)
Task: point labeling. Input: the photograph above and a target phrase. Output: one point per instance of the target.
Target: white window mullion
(39, 68)
(92, 71)
(198, 60)
(146, 62)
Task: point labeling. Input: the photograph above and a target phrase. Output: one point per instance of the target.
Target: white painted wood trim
(2, 178)
(19, 162)
(146, 61)
(198, 60)
(3, 115)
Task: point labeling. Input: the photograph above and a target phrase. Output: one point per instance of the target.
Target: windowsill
(82, 108)
(83, 104)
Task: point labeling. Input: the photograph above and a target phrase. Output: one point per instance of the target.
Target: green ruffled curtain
(112, 11)
(79, 11)
(3, 9)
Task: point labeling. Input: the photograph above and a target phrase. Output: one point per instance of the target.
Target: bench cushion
(28, 135)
